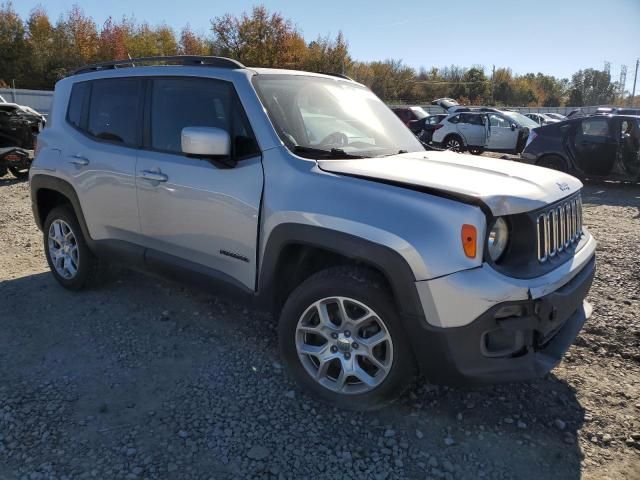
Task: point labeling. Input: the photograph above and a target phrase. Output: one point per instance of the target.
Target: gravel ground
(148, 379)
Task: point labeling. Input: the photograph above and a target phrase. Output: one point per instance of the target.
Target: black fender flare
(389, 262)
(39, 182)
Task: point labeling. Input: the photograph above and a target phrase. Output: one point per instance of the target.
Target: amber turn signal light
(469, 238)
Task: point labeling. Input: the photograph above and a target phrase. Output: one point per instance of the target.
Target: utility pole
(635, 79)
(493, 83)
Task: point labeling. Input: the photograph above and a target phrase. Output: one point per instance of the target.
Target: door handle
(79, 160)
(153, 176)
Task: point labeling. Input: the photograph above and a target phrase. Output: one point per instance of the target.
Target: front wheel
(342, 339)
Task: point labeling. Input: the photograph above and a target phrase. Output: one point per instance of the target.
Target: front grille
(559, 228)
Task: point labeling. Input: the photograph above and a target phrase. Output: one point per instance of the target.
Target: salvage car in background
(507, 130)
(463, 131)
(19, 126)
(541, 118)
(421, 123)
(595, 146)
(557, 116)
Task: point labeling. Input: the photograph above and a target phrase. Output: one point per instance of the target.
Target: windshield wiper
(335, 153)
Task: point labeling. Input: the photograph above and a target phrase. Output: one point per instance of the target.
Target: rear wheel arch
(49, 192)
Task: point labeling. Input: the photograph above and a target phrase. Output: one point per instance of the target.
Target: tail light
(437, 126)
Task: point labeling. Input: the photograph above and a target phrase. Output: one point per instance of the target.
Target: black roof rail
(339, 75)
(187, 60)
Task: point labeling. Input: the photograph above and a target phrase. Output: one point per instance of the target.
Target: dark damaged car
(601, 146)
(19, 127)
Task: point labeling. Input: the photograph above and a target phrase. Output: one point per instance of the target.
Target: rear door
(502, 137)
(100, 153)
(472, 129)
(192, 211)
(594, 145)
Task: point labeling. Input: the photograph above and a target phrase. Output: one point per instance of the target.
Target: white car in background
(463, 131)
(507, 130)
(541, 118)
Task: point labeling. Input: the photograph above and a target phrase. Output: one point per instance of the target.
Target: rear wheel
(73, 265)
(342, 340)
(454, 143)
(555, 162)
(19, 172)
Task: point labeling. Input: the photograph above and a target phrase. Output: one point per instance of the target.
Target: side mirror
(513, 127)
(206, 142)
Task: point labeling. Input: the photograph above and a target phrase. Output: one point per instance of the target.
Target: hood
(505, 186)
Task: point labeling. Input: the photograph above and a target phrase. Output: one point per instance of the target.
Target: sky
(556, 37)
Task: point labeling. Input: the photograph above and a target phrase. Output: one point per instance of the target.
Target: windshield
(315, 114)
(521, 119)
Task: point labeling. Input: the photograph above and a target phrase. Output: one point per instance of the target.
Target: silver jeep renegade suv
(304, 192)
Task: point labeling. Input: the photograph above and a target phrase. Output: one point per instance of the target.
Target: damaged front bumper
(481, 328)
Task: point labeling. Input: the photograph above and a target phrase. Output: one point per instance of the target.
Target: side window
(498, 121)
(595, 127)
(76, 104)
(455, 119)
(475, 119)
(114, 110)
(177, 103)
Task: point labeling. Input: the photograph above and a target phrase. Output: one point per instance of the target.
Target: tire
(88, 268)
(554, 162)
(363, 296)
(454, 143)
(3, 171)
(476, 150)
(21, 174)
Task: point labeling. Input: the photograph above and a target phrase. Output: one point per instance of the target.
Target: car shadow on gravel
(153, 379)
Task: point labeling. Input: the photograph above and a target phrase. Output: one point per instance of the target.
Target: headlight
(498, 239)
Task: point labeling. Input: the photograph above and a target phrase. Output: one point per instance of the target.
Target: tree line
(35, 52)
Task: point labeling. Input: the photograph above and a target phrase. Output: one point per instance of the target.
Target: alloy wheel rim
(344, 345)
(454, 145)
(63, 249)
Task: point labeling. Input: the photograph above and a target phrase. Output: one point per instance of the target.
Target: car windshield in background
(332, 118)
(521, 119)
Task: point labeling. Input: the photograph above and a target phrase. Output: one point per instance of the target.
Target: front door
(594, 146)
(503, 135)
(191, 209)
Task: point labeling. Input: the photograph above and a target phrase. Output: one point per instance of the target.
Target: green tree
(13, 46)
(261, 39)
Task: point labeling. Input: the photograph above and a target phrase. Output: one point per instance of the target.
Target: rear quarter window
(77, 101)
